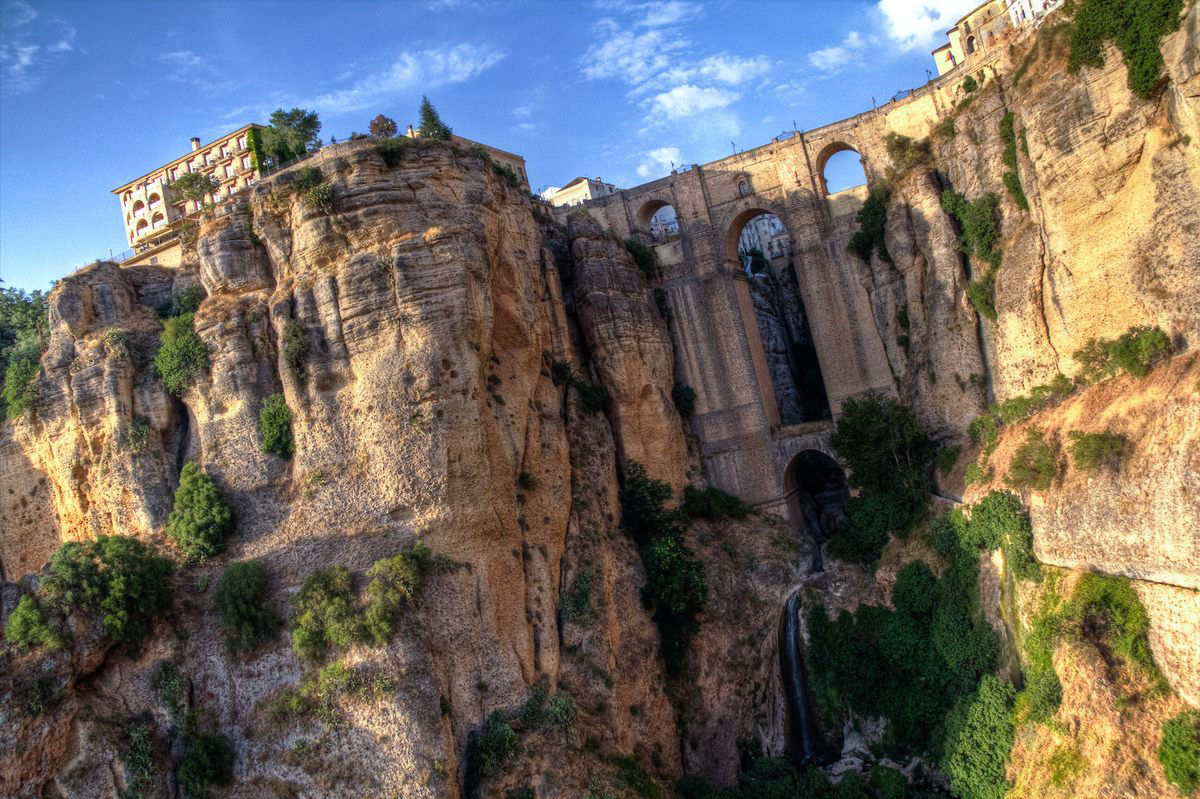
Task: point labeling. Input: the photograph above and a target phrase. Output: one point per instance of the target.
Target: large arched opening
(817, 494)
(840, 167)
(657, 219)
(759, 242)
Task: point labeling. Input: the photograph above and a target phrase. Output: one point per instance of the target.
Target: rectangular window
(175, 174)
(241, 142)
(228, 170)
(246, 162)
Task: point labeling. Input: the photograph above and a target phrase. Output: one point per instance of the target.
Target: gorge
(557, 509)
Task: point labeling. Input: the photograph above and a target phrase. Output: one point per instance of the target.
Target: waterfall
(791, 664)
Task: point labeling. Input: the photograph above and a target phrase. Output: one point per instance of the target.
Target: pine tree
(432, 125)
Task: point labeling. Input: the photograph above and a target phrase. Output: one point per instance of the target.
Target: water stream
(791, 664)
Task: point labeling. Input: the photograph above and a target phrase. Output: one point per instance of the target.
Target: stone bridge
(746, 449)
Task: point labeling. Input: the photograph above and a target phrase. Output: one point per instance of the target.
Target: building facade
(981, 28)
(577, 191)
(766, 234)
(150, 209)
(1030, 12)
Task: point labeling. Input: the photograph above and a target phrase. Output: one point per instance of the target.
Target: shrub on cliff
(275, 426)
(490, 750)
(21, 387)
(392, 150)
(592, 396)
(905, 153)
(1012, 177)
(207, 761)
(1137, 29)
(1134, 352)
(241, 603)
(979, 736)
(1179, 751)
(324, 617)
(644, 257)
(684, 398)
(712, 503)
(201, 520)
(394, 584)
(26, 627)
(296, 343)
(117, 578)
(181, 356)
(1093, 451)
(1034, 465)
(884, 445)
(1108, 606)
(141, 781)
(872, 222)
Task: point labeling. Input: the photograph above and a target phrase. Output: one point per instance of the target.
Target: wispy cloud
(688, 100)
(410, 70)
(917, 24)
(29, 42)
(659, 160)
(631, 57)
(832, 59)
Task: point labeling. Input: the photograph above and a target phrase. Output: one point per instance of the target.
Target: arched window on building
(143, 227)
(158, 221)
(138, 207)
(155, 201)
(970, 44)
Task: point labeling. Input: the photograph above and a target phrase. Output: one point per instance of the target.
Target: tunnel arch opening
(840, 167)
(817, 494)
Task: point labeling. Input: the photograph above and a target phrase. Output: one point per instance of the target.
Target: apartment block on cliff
(577, 191)
(152, 212)
(979, 29)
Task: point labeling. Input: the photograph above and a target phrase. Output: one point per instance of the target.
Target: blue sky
(93, 94)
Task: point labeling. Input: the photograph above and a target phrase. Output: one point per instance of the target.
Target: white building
(1031, 12)
(577, 191)
(766, 234)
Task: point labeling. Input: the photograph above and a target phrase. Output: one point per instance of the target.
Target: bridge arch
(817, 493)
(823, 160)
(733, 231)
(657, 218)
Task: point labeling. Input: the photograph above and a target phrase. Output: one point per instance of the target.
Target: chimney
(410, 133)
(195, 143)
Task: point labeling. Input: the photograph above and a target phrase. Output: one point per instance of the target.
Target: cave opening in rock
(760, 243)
(817, 494)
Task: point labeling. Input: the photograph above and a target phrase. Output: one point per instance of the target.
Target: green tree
(324, 617)
(383, 127)
(26, 627)
(275, 426)
(207, 760)
(292, 133)
(241, 602)
(201, 520)
(432, 125)
(197, 187)
(181, 354)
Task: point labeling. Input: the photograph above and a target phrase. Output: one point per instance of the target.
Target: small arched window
(155, 200)
(970, 44)
(158, 221)
(142, 227)
(138, 207)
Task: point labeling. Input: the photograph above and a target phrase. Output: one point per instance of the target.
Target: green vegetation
(969, 85)
(275, 426)
(980, 224)
(985, 428)
(140, 779)
(684, 397)
(392, 150)
(201, 520)
(1179, 751)
(592, 396)
(182, 356)
(945, 458)
(383, 127)
(296, 344)
(1034, 465)
(1109, 607)
(872, 223)
(561, 374)
(258, 156)
(1065, 765)
(979, 736)
(905, 153)
(394, 584)
(325, 618)
(575, 605)
(1136, 27)
(975, 474)
(644, 257)
(319, 690)
(945, 128)
(197, 187)
(675, 586)
(313, 189)
(561, 714)
(1012, 177)
(1093, 451)
(889, 783)
(1133, 352)
(291, 134)
(168, 684)
(21, 386)
(505, 173)
(183, 299)
(712, 503)
(116, 343)
(26, 627)
(998, 521)
(207, 760)
(495, 745)
(889, 457)
(243, 607)
(432, 126)
(116, 578)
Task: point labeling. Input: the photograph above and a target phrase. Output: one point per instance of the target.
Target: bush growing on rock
(643, 257)
(325, 618)
(575, 606)
(207, 761)
(242, 605)
(979, 736)
(26, 627)
(1179, 751)
(21, 387)
(117, 578)
(275, 426)
(1093, 451)
(1134, 352)
(872, 221)
(181, 356)
(496, 745)
(888, 782)
(295, 347)
(592, 396)
(1034, 465)
(712, 503)
(394, 584)
(1136, 28)
(392, 150)
(201, 520)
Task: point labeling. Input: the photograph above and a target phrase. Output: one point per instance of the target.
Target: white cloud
(732, 69)
(187, 66)
(687, 100)
(913, 24)
(425, 69)
(29, 41)
(671, 12)
(633, 58)
(659, 160)
(831, 59)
